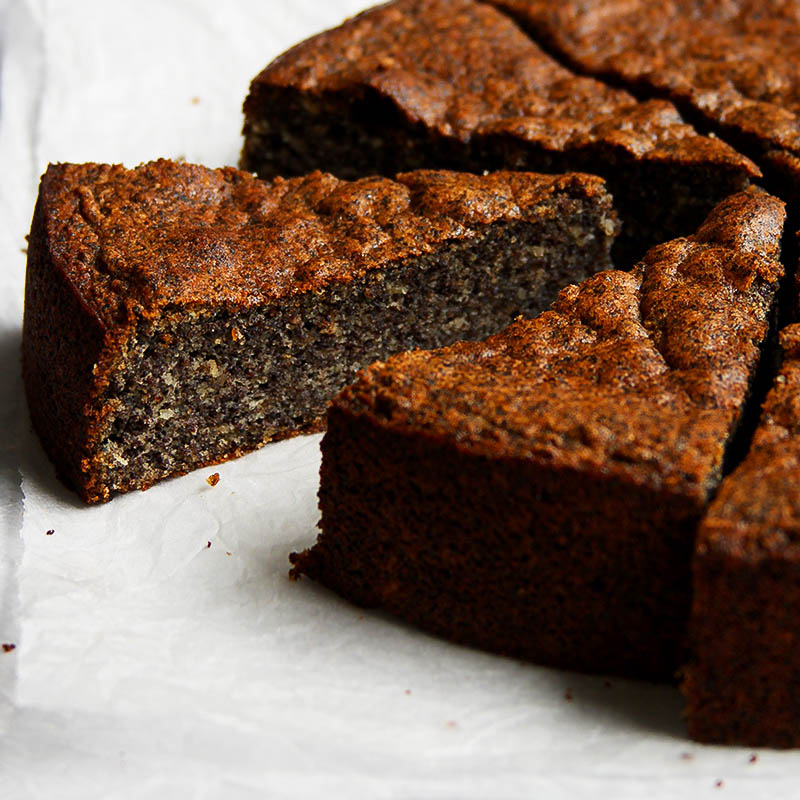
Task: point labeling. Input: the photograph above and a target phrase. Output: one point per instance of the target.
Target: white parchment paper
(161, 650)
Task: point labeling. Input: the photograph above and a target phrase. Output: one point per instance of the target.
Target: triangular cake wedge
(176, 316)
(537, 494)
(741, 683)
(456, 84)
(732, 66)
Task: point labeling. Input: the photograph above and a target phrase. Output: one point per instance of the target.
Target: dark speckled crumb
(177, 316)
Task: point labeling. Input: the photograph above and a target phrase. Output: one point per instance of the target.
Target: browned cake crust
(537, 494)
(177, 315)
(731, 63)
(741, 684)
(456, 84)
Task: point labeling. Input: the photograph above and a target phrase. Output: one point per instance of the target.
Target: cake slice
(741, 683)
(456, 84)
(176, 316)
(731, 66)
(537, 494)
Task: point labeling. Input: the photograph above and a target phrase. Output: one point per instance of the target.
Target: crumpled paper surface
(161, 651)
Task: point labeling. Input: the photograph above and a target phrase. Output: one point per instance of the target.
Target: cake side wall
(62, 344)
(741, 685)
(578, 571)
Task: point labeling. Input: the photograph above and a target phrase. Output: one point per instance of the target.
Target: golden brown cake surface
(733, 62)
(757, 510)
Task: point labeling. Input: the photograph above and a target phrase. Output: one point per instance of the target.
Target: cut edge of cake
(177, 316)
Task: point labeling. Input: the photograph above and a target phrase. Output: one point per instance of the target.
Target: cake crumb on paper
(50, 532)
(208, 545)
(753, 758)
(213, 480)
(8, 647)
